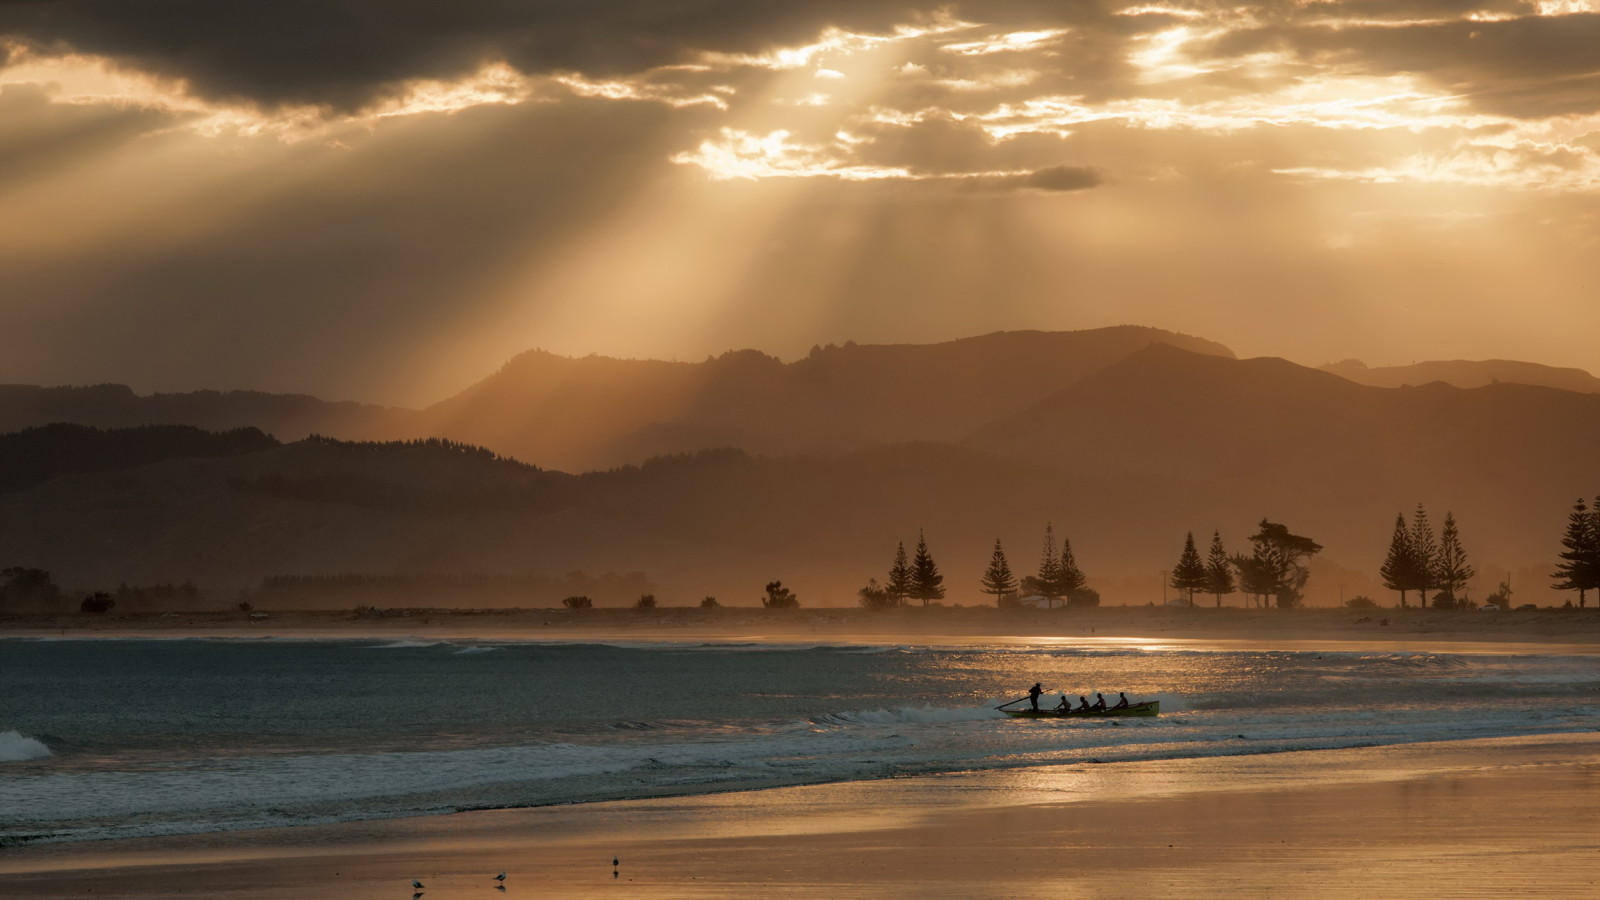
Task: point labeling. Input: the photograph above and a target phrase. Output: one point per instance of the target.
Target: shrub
(646, 601)
(97, 602)
(709, 603)
(779, 597)
(1083, 597)
(875, 596)
(244, 606)
(1361, 601)
(579, 602)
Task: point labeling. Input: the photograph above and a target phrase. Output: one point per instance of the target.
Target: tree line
(1276, 569)
(918, 578)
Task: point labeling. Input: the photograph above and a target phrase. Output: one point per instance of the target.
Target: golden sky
(385, 200)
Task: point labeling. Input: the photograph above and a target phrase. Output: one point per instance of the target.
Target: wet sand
(1459, 819)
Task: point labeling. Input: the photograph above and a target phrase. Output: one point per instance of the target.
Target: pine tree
(900, 580)
(1048, 580)
(1580, 561)
(1399, 567)
(997, 579)
(1219, 576)
(1424, 553)
(1451, 571)
(926, 582)
(1189, 574)
(1072, 578)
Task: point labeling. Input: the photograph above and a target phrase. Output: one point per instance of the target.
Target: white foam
(18, 747)
(466, 650)
(406, 645)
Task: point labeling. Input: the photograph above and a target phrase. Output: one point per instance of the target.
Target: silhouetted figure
(1065, 705)
(1033, 695)
(1099, 702)
(1083, 703)
(1123, 702)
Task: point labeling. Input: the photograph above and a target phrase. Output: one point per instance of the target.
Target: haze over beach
(662, 443)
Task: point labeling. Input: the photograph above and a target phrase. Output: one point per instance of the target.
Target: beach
(1491, 817)
(328, 755)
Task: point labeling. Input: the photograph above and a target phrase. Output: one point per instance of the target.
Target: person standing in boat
(1033, 695)
(1099, 702)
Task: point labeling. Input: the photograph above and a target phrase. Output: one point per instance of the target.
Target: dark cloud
(1052, 179)
(344, 52)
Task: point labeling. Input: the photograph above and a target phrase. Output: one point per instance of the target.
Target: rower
(1083, 704)
(1122, 703)
(1065, 705)
(1099, 702)
(1033, 695)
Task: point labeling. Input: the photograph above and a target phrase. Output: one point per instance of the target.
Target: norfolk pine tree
(1049, 578)
(1072, 578)
(1219, 576)
(900, 580)
(1579, 569)
(1190, 573)
(1425, 552)
(1451, 571)
(1399, 567)
(926, 582)
(997, 579)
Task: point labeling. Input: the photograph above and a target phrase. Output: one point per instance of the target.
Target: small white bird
(500, 877)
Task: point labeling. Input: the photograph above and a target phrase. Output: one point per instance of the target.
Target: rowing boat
(1147, 708)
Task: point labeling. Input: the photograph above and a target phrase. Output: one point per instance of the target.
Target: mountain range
(1123, 438)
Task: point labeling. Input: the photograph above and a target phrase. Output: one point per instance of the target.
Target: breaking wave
(18, 747)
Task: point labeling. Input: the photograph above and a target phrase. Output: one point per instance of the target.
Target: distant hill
(1123, 463)
(34, 456)
(289, 417)
(583, 414)
(1467, 374)
(597, 412)
(1291, 441)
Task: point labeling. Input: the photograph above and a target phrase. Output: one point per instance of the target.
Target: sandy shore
(1459, 819)
(1429, 628)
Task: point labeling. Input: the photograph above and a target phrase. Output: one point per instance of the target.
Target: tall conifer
(926, 582)
(1219, 575)
(1579, 569)
(1399, 567)
(1451, 571)
(1049, 579)
(1189, 575)
(900, 579)
(997, 579)
(1424, 553)
(1072, 577)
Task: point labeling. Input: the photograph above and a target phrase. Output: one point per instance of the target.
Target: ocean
(129, 737)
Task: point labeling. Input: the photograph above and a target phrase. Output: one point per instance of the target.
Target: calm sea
(113, 738)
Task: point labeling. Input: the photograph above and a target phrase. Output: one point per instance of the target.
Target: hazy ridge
(1123, 442)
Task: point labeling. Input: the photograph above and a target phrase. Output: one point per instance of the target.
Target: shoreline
(1464, 817)
(1572, 627)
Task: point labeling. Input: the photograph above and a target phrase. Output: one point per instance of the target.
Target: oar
(1019, 700)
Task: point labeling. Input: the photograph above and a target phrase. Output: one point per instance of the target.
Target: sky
(384, 200)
